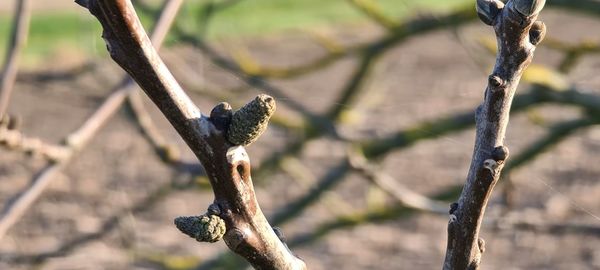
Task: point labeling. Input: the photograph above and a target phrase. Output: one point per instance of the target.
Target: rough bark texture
(227, 165)
(517, 33)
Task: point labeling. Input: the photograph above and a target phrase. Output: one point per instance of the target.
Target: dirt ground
(427, 77)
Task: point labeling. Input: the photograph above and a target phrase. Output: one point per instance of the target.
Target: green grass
(252, 17)
(50, 33)
(55, 33)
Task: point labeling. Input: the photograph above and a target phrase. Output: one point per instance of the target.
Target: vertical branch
(517, 34)
(17, 41)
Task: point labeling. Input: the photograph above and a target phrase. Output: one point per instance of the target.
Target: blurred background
(371, 141)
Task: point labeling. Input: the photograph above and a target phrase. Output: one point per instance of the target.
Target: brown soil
(426, 77)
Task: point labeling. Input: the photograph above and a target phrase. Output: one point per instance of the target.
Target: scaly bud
(205, 228)
(250, 121)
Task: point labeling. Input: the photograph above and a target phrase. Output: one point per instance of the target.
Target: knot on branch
(453, 208)
(528, 8)
(490, 164)
(488, 10)
(250, 121)
(495, 81)
(204, 228)
(234, 238)
(537, 32)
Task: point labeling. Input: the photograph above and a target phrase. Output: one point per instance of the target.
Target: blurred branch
(427, 129)
(391, 186)
(20, 29)
(368, 216)
(509, 224)
(555, 135)
(371, 9)
(294, 208)
(77, 140)
(252, 67)
(303, 176)
(573, 52)
(15, 140)
(210, 9)
(537, 95)
(67, 74)
(168, 152)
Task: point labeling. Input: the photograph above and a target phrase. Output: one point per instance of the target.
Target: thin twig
(167, 151)
(17, 42)
(389, 185)
(15, 140)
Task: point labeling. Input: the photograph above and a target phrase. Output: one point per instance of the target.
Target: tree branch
(247, 231)
(517, 33)
(403, 195)
(14, 139)
(17, 41)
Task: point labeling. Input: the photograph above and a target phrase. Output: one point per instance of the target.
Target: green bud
(203, 228)
(250, 121)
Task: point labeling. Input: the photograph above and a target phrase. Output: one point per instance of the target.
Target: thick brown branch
(517, 33)
(228, 166)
